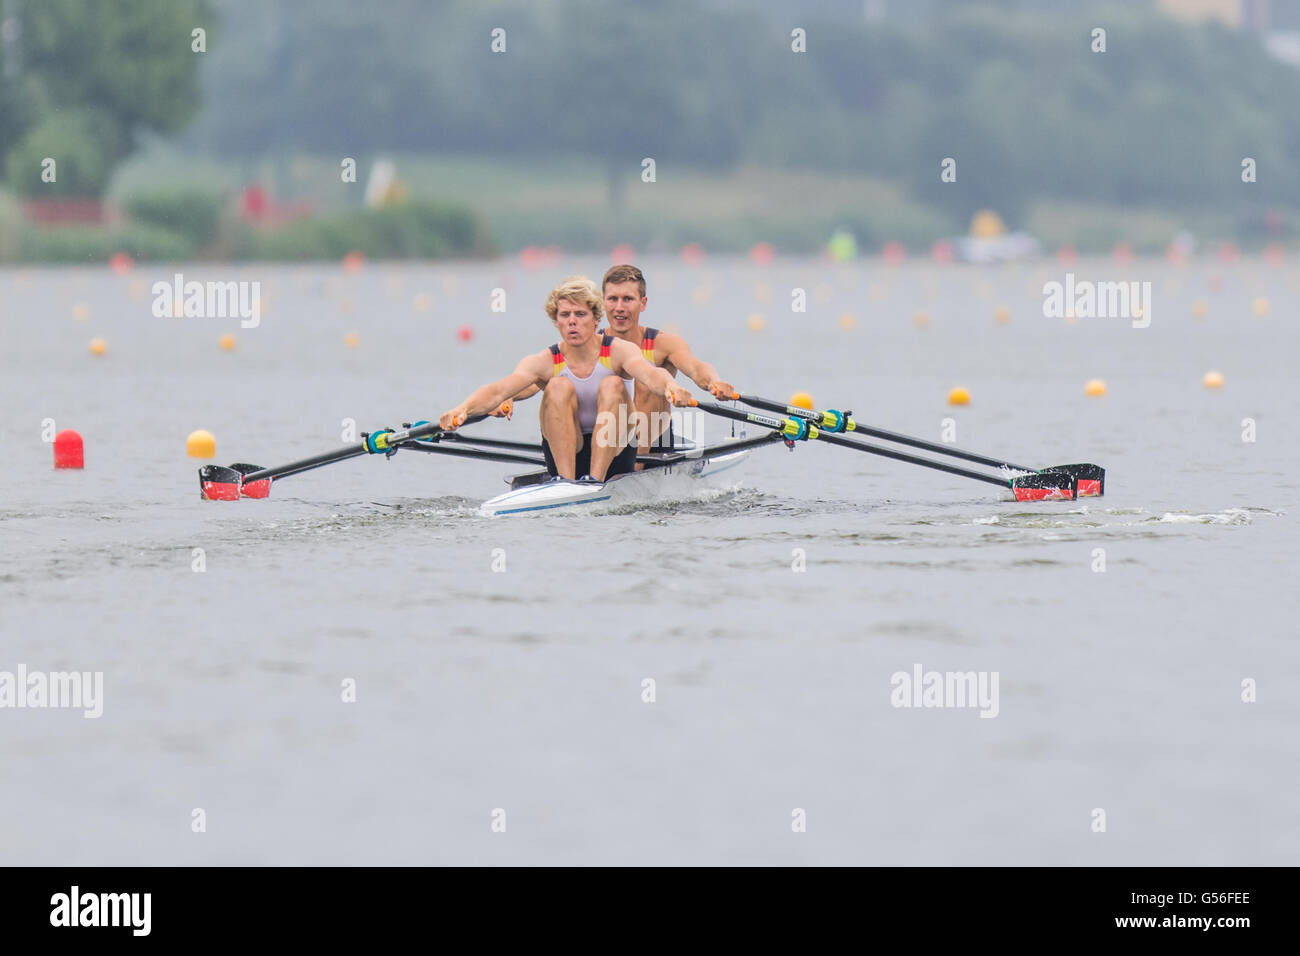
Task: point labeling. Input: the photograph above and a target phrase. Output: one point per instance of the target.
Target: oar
(217, 483)
(1035, 486)
(1092, 478)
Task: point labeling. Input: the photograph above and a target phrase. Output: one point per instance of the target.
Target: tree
(117, 67)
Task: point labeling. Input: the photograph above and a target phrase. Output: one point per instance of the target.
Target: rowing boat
(681, 474)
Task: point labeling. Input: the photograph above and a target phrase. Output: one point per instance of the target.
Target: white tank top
(589, 386)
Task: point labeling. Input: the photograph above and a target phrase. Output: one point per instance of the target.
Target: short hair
(624, 273)
(576, 289)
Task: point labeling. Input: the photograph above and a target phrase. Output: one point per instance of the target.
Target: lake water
(480, 691)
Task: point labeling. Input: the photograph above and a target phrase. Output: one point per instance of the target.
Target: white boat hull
(673, 482)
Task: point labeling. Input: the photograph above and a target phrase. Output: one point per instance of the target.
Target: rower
(625, 300)
(584, 399)
(624, 293)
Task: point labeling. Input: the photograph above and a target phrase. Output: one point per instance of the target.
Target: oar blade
(218, 483)
(1091, 478)
(252, 489)
(1045, 486)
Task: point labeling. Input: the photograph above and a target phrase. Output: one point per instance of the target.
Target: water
(521, 690)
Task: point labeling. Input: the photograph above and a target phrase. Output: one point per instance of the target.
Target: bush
(84, 146)
(414, 230)
(82, 244)
(189, 212)
(11, 225)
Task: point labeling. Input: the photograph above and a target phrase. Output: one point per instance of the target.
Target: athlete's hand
(678, 396)
(453, 419)
(722, 389)
(505, 410)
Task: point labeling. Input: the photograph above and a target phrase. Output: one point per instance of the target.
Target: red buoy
(762, 254)
(69, 452)
(465, 333)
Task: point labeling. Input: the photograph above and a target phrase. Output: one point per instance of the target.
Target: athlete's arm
(626, 357)
(505, 409)
(530, 371)
(701, 373)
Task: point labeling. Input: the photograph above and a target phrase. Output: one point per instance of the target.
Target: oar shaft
(307, 464)
(349, 451)
(913, 459)
(780, 425)
(857, 426)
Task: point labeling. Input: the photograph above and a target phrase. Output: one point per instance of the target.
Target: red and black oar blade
(252, 489)
(217, 483)
(1044, 485)
(1091, 478)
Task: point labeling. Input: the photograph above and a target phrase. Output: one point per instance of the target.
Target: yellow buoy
(802, 400)
(921, 319)
(98, 346)
(1095, 388)
(847, 321)
(1199, 308)
(1213, 380)
(959, 396)
(1002, 315)
(763, 292)
(987, 224)
(81, 312)
(756, 322)
(227, 342)
(1260, 306)
(201, 444)
(702, 296)
(352, 340)
(423, 302)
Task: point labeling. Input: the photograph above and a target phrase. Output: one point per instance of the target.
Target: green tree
(118, 67)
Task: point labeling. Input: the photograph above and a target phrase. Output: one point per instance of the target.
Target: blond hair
(577, 289)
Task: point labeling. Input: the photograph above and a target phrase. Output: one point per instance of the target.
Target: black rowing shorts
(623, 463)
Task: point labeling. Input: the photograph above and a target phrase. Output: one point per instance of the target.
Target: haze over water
(522, 690)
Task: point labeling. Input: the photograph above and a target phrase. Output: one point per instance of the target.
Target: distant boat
(1010, 247)
(990, 242)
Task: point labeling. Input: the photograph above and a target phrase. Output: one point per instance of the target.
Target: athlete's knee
(612, 388)
(559, 389)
